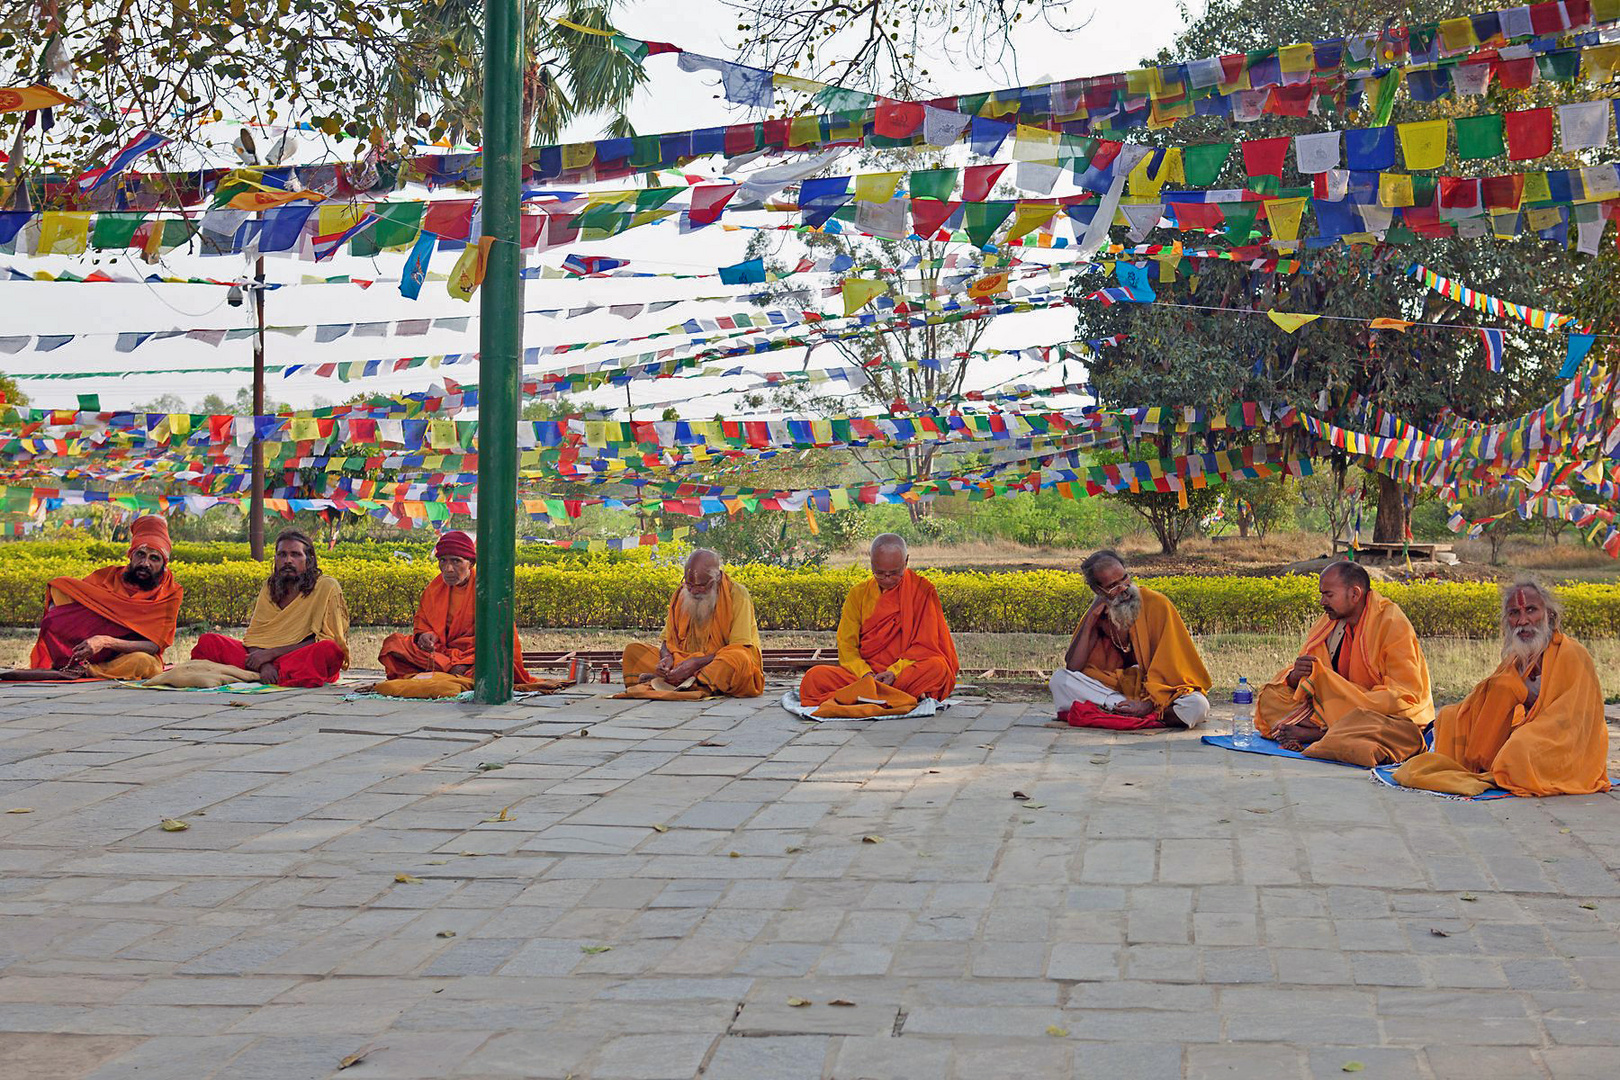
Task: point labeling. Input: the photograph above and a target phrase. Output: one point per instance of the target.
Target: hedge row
(102, 552)
(622, 595)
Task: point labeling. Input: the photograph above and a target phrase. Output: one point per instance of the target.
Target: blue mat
(1385, 774)
(1258, 744)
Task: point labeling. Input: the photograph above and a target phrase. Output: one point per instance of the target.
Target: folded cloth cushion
(201, 674)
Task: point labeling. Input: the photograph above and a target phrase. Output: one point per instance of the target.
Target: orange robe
(902, 631)
(150, 615)
(1378, 696)
(731, 636)
(1559, 746)
(447, 614)
(1167, 662)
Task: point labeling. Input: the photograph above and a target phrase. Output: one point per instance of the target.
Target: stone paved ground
(669, 878)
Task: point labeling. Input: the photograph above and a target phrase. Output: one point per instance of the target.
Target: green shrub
(635, 594)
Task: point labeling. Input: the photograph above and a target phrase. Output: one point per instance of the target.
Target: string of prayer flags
(1291, 321)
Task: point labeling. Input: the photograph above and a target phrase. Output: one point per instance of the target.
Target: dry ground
(1455, 664)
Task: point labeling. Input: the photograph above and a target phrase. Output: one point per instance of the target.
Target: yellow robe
(1559, 746)
(322, 614)
(1385, 673)
(731, 636)
(1167, 662)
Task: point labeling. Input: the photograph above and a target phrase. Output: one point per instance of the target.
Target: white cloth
(1069, 687)
(1317, 152)
(1584, 124)
(943, 127)
(1470, 79)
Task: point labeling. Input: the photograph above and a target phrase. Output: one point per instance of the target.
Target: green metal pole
(500, 364)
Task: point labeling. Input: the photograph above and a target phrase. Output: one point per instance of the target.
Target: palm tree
(569, 74)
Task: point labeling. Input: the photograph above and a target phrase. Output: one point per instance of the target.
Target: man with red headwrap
(442, 637)
(117, 622)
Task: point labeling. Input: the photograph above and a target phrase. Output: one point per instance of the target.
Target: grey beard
(1124, 611)
(699, 609)
(1525, 653)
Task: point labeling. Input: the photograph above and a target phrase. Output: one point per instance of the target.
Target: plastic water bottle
(1243, 713)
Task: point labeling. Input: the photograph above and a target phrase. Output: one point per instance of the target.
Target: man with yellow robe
(1535, 725)
(442, 636)
(1131, 653)
(892, 629)
(1359, 690)
(710, 637)
(298, 635)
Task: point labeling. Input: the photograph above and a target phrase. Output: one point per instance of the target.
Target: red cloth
(1085, 714)
(1529, 133)
(63, 627)
(1264, 157)
(153, 532)
(456, 544)
(316, 664)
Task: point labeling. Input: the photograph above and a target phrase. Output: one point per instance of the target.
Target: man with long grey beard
(711, 638)
(1535, 725)
(1131, 653)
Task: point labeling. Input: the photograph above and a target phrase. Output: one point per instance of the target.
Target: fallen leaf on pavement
(1468, 898)
(594, 949)
(445, 933)
(798, 1003)
(1352, 1066)
(489, 766)
(21, 810)
(504, 815)
(794, 849)
(1057, 1032)
(1034, 805)
(660, 828)
(734, 854)
(841, 1001)
(1437, 932)
(871, 839)
(173, 825)
(358, 1057)
(1589, 907)
(1099, 761)
(438, 862)
(583, 732)
(406, 879)
(1019, 795)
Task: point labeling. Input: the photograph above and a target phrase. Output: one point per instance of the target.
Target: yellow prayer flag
(988, 286)
(1284, 215)
(1383, 322)
(1139, 82)
(1543, 218)
(63, 232)
(441, 434)
(1001, 106)
(1535, 189)
(1423, 144)
(578, 155)
(265, 200)
(304, 428)
(1395, 189)
(468, 273)
(1295, 58)
(793, 82)
(876, 187)
(26, 98)
(858, 292)
(1029, 216)
(180, 424)
(1161, 114)
(804, 131)
(1289, 320)
(1145, 184)
(1035, 144)
(335, 218)
(1600, 63)
(1457, 35)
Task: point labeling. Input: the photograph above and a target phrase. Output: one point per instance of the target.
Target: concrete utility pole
(500, 363)
(256, 499)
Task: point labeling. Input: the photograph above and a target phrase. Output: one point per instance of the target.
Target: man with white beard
(711, 638)
(1131, 654)
(1535, 725)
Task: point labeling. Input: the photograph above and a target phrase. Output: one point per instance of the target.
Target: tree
(1180, 355)
(1258, 506)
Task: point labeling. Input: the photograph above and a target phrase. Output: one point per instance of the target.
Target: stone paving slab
(590, 887)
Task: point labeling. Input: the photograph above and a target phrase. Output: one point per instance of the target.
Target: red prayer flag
(896, 119)
(1459, 192)
(979, 180)
(1290, 100)
(1264, 157)
(1529, 133)
(927, 215)
(1502, 192)
(1547, 18)
(1515, 74)
(708, 200)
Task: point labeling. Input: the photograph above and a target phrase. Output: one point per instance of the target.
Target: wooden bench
(1392, 551)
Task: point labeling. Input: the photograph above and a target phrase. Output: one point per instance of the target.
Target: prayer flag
(416, 266)
(1579, 346)
(1529, 133)
(858, 292)
(143, 143)
(1290, 321)
(1492, 340)
(1423, 144)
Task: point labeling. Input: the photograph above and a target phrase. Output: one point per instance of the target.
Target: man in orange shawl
(298, 633)
(1131, 653)
(892, 629)
(1359, 690)
(710, 636)
(442, 637)
(1535, 725)
(117, 622)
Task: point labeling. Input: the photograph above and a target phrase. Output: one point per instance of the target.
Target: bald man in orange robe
(117, 622)
(442, 638)
(893, 629)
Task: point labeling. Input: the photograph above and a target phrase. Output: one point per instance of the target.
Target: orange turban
(458, 544)
(151, 531)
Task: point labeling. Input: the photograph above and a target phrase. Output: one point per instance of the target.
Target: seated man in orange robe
(1131, 654)
(117, 622)
(710, 635)
(893, 629)
(1359, 691)
(1535, 725)
(298, 635)
(442, 638)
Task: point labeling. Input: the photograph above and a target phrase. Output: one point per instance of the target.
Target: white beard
(699, 609)
(1126, 609)
(1525, 652)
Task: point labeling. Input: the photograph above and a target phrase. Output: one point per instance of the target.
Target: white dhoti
(1068, 687)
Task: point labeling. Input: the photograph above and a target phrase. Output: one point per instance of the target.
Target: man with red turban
(442, 637)
(117, 622)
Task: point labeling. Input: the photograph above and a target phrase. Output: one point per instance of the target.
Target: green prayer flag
(970, 104)
(635, 50)
(1240, 220)
(653, 198)
(89, 402)
(1203, 163)
(1479, 137)
(981, 220)
(645, 151)
(933, 184)
(115, 230)
(1560, 65)
(398, 225)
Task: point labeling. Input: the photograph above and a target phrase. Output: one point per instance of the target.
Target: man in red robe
(442, 636)
(115, 623)
(893, 629)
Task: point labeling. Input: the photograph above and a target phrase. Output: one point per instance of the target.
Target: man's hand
(90, 646)
(426, 640)
(257, 659)
(1095, 612)
(884, 677)
(460, 669)
(268, 674)
(1134, 708)
(685, 670)
(1303, 666)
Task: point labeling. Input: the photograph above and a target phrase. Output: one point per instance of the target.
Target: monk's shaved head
(1345, 587)
(704, 562)
(889, 559)
(1349, 574)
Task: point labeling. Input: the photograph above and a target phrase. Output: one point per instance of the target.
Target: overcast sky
(1117, 37)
